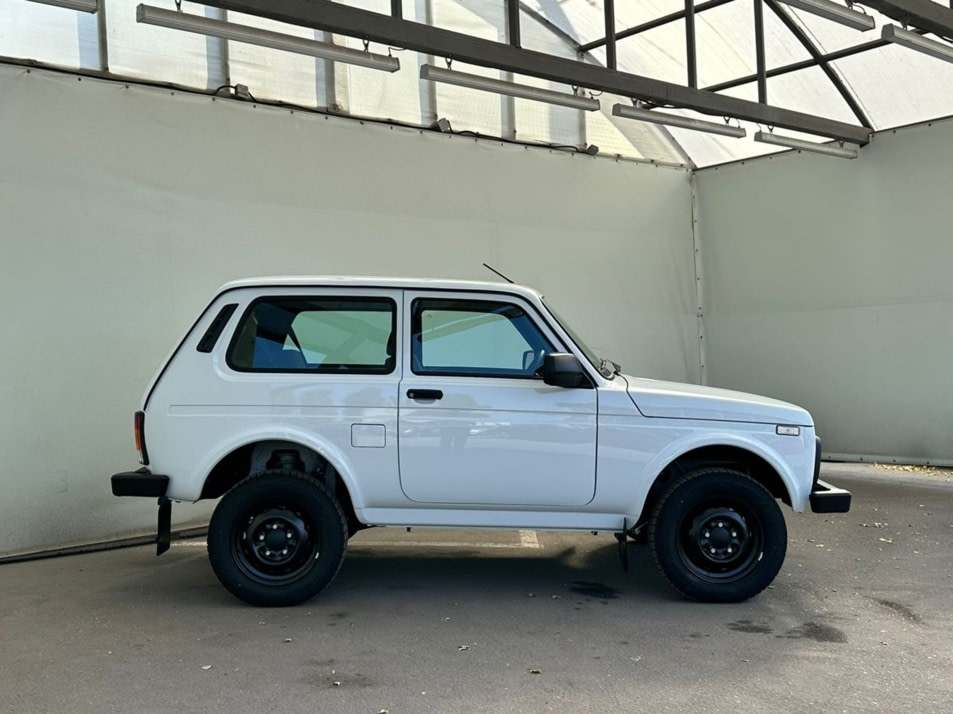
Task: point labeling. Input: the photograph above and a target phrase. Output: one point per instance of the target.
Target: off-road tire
(277, 538)
(718, 535)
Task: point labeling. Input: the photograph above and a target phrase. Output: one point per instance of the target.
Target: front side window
(316, 335)
(475, 338)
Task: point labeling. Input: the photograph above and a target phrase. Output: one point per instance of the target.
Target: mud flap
(164, 534)
(623, 539)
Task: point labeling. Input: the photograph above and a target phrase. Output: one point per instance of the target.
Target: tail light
(140, 429)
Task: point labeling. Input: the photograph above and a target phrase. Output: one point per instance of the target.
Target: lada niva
(315, 407)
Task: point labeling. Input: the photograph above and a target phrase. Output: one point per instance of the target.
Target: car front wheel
(718, 536)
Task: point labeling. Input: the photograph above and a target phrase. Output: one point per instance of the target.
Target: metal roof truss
(394, 30)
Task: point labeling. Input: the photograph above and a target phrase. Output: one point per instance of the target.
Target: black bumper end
(829, 499)
(145, 483)
(140, 483)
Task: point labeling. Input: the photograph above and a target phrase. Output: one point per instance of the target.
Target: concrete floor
(859, 620)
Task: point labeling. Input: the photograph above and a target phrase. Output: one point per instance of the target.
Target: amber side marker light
(140, 430)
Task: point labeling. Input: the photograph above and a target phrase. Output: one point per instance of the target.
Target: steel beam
(376, 27)
(550, 25)
(922, 14)
(802, 64)
(759, 51)
(513, 22)
(652, 24)
(609, 12)
(820, 60)
(690, 54)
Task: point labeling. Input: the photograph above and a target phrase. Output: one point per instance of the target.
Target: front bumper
(829, 499)
(140, 483)
(824, 497)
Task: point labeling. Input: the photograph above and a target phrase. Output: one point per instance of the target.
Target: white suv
(316, 407)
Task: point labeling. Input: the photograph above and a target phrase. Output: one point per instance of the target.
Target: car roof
(364, 281)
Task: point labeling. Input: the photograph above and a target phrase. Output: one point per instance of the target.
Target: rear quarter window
(316, 334)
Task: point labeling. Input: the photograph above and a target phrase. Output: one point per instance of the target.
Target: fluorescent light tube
(80, 5)
(511, 89)
(655, 117)
(264, 38)
(914, 41)
(834, 11)
(792, 143)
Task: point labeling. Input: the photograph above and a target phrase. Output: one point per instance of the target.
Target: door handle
(424, 394)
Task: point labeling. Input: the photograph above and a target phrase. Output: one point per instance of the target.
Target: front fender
(762, 445)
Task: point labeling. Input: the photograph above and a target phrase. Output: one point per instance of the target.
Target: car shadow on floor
(458, 573)
(596, 573)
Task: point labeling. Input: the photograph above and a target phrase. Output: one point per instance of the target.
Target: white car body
(587, 475)
(431, 436)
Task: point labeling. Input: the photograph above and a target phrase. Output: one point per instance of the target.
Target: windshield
(606, 368)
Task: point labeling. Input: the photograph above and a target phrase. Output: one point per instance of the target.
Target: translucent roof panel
(810, 91)
(476, 18)
(584, 19)
(708, 149)
(615, 135)
(48, 34)
(157, 53)
(899, 86)
(780, 46)
(604, 133)
(470, 109)
(395, 97)
(658, 53)
(724, 38)
(726, 43)
(273, 75)
(892, 85)
(540, 122)
(381, 6)
(830, 36)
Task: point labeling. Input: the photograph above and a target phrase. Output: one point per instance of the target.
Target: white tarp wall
(122, 209)
(827, 283)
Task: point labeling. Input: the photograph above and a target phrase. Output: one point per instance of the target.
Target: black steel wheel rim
(275, 544)
(720, 542)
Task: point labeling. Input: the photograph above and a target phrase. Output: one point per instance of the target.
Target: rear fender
(332, 454)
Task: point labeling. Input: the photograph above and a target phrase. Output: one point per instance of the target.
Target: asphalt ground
(860, 619)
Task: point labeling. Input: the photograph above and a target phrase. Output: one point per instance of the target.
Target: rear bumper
(829, 499)
(140, 483)
(145, 483)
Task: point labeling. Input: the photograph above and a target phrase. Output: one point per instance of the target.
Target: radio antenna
(498, 273)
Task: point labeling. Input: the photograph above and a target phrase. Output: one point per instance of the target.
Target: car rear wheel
(278, 538)
(718, 536)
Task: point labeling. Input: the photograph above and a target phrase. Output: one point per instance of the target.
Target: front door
(475, 426)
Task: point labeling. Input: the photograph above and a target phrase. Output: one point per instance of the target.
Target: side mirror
(561, 369)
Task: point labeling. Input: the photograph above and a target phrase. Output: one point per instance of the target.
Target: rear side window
(350, 335)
